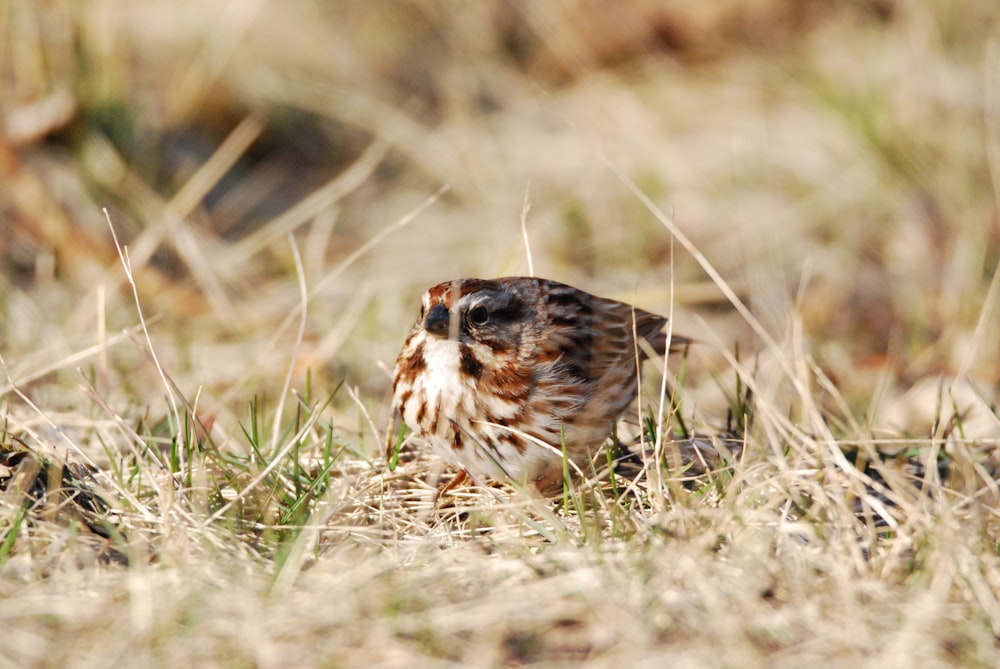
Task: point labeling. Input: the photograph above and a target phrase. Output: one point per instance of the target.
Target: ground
(216, 220)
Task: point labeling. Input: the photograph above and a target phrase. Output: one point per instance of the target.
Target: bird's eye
(479, 315)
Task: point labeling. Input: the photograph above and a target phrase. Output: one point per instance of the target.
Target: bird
(503, 378)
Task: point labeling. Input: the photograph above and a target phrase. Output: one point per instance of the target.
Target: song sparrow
(497, 375)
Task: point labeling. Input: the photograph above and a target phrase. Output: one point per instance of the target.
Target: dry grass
(190, 464)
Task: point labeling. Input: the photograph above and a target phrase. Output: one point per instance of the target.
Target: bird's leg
(459, 477)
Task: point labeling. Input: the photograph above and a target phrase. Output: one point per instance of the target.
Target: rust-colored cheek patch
(411, 366)
(471, 365)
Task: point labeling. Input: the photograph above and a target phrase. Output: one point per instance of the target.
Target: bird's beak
(437, 320)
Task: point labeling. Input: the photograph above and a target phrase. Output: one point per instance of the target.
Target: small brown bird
(497, 375)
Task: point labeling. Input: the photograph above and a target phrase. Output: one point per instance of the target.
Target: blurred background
(834, 160)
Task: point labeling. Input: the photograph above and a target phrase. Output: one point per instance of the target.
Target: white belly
(453, 405)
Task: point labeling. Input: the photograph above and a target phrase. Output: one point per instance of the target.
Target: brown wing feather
(594, 334)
